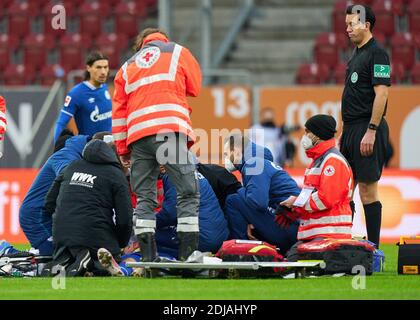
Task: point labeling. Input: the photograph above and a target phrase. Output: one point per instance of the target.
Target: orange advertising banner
(399, 191)
(294, 105)
(14, 184)
(215, 113)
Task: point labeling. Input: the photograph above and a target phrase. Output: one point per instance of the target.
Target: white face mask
(229, 165)
(306, 142)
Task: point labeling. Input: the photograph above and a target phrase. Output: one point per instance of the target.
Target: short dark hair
(100, 135)
(237, 141)
(91, 59)
(62, 138)
(369, 14)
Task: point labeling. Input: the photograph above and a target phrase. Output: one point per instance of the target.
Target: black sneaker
(81, 265)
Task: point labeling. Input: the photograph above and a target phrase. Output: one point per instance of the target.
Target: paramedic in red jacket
(323, 206)
(3, 122)
(151, 126)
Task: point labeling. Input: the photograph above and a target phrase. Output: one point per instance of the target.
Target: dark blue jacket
(265, 184)
(34, 200)
(212, 223)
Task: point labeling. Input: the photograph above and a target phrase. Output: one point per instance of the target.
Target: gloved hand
(284, 216)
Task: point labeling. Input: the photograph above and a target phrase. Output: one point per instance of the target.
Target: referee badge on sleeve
(354, 77)
(382, 71)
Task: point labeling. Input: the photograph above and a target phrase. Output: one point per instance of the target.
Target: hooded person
(251, 211)
(323, 207)
(91, 207)
(36, 225)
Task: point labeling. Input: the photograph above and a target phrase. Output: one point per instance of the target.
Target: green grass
(387, 285)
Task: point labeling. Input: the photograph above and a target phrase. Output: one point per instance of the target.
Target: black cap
(322, 125)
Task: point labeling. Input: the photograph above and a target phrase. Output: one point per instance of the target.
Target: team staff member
(89, 102)
(91, 208)
(151, 113)
(324, 209)
(250, 211)
(34, 221)
(365, 133)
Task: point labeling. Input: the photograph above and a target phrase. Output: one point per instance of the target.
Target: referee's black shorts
(365, 169)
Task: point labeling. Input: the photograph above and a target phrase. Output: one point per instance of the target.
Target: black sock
(373, 216)
(353, 209)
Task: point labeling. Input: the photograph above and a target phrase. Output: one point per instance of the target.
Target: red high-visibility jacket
(151, 91)
(3, 122)
(327, 213)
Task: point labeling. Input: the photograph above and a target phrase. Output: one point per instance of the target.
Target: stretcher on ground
(300, 268)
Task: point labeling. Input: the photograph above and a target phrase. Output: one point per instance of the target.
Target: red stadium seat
(111, 45)
(385, 17)
(8, 43)
(415, 74)
(339, 75)
(126, 18)
(380, 38)
(326, 49)
(398, 74)
(114, 3)
(18, 75)
(5, 5)
(145, 5)
(397, 7)
(19, 18)
(92, 16)
(50, 73)
(339, 15)
(403, 49)
(311, 73)
(416, 41)
(151, 4)
(72, 50)
(36, 47)
(414, 16)
(48, 17)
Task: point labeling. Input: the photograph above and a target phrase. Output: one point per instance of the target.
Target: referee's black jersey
(369, 66)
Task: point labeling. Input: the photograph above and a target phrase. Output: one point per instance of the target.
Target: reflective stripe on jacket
(151, 91)
(3, 122)
(327, 213)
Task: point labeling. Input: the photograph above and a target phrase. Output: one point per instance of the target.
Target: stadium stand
(397, 29)
(292, 32)
(28, 42)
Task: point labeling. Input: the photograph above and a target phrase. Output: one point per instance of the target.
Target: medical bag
(340, 255)
(409, 255)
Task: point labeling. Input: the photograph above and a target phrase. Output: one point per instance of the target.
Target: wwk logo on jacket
(83, 179)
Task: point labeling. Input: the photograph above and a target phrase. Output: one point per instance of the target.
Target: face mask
(306, 142)
(229, 165)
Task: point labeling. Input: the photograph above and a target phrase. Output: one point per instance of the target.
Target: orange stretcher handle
(405, 239)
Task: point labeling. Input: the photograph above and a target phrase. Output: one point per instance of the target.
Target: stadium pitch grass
(387, 285)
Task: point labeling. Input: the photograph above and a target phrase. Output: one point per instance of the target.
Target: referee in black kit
(365, 135)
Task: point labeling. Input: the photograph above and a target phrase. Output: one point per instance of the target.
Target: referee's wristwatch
(373, 126)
